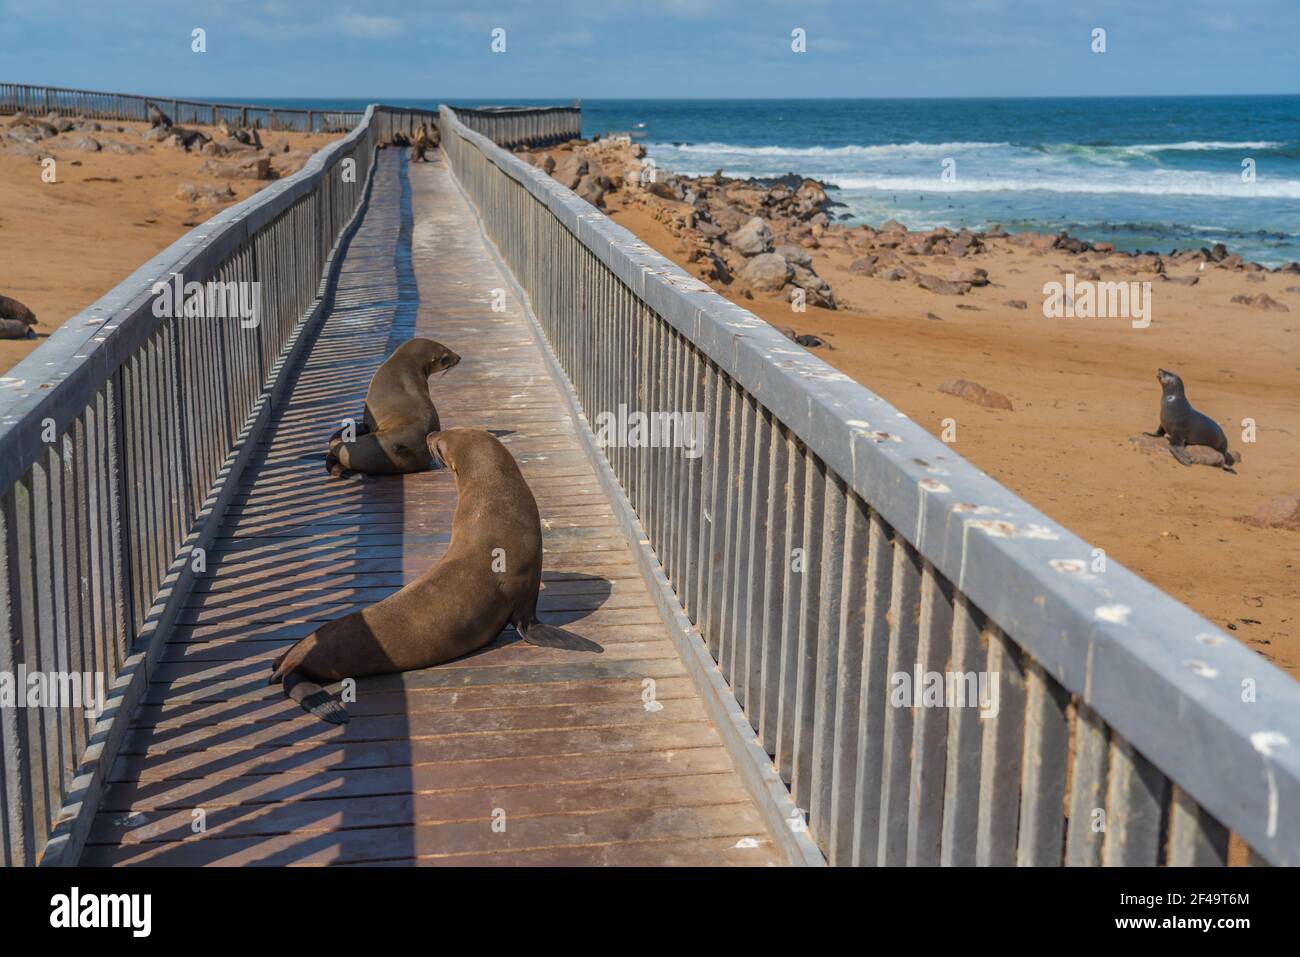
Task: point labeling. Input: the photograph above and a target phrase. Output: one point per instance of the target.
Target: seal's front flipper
(315, 699)
(548, 636)
(1160, 430)
(1180, 453)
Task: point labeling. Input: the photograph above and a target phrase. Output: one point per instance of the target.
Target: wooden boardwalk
(558, 746)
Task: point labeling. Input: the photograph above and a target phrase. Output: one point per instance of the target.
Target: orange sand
(1080, 390)
(65, 244)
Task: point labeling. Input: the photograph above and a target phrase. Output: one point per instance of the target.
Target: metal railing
(824, 545)
(121, 439)
(510, 126)
(97, 105)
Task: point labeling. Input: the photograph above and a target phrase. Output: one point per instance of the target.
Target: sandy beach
(109, 209)
(1079, 390)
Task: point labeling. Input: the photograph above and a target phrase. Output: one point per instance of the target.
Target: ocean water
(1142, 172)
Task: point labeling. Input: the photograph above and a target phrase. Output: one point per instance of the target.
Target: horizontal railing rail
(528, 125)
(830, 553)
(97, 105)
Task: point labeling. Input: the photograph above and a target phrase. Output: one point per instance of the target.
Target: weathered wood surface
(558, 745)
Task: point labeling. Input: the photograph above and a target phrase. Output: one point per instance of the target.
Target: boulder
(204, 195)
(943, 287)
(974, 392)
(570, 170)
(708, 230)
(767, 272)
(976, 277)
(752, 238)
(1199, 454)
(1281, 512)
(258, 167)
(590, 189)
(795, 255)
(1263, 301)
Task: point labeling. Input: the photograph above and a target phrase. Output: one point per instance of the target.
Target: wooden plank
(1088, 773)
(406, 808)
(965, 736)
(1196, 839)
(364, 845)
(1046, 756)
(1000, 760)
(1135, 800)
(895, 774)
(564, 742)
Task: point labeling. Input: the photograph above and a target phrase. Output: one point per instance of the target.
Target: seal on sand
(399, 414)
(1184, 425)
(488, 578)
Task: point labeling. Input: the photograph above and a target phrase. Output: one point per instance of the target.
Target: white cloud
(366, 27)
(572, 38)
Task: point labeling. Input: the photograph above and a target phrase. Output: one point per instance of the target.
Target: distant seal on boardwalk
(399, 414)
(422, 143)
(488, 578)
(1184, 425)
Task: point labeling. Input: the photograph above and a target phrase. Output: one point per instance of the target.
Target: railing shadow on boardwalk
(375, 311)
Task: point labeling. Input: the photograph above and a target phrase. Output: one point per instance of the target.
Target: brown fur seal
(398, 415)
(16, 320)
(488, 578)
(1184, 425)
(420, 145)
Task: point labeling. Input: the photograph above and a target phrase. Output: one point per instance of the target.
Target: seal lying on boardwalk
(1184, 425)
(488, 578)
(398, 415)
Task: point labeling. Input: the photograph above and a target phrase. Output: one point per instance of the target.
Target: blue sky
(672, 48)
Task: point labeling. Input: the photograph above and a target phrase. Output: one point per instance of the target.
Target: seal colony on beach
(489, 577)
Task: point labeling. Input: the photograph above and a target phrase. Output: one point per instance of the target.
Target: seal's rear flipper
(314, 699)
(548, 636)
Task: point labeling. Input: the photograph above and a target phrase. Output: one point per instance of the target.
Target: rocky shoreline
(753, 238)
